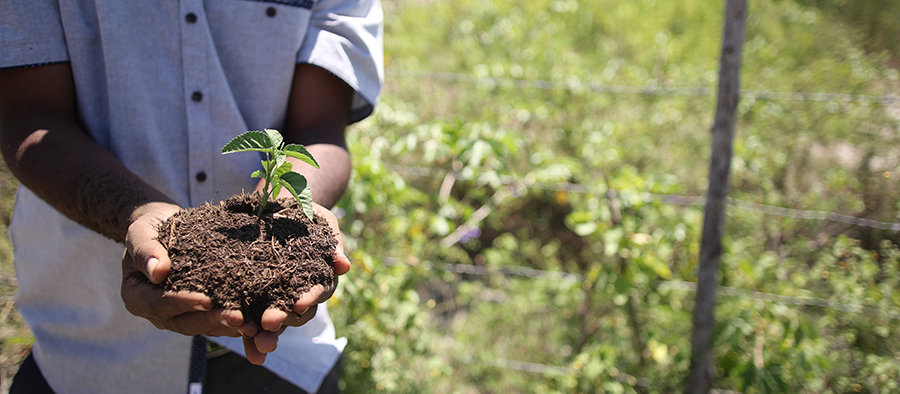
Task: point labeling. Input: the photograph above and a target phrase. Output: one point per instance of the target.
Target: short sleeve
(31, 33)
(345, 38)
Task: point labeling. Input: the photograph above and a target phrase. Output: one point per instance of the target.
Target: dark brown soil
(244, 262)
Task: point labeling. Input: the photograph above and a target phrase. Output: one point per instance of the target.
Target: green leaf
(300, 152)
(623, 284)
(582, 223)
(659, 268)
(280, 158)
(299, 188)
(276, 170)
(284, 168)
(249, 141)
(276, 189)
(275, 138)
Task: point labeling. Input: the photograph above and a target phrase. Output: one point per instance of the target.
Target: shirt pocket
(257, 45)
(258, 33)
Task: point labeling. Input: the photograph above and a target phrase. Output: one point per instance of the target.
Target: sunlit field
(525, 208)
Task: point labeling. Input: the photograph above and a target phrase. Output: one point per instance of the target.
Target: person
(112, 117)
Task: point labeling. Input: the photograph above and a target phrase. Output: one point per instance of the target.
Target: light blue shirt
(164, 85)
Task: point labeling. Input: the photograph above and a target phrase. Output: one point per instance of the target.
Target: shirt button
(271, 11)
(190, 17)
(197, 96)
(200, 177)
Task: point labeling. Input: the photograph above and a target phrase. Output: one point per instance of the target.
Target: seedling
(276, 169)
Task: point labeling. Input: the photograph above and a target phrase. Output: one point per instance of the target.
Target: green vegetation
(15, 338)
(524, 213)
(276, 169)
(525, 207)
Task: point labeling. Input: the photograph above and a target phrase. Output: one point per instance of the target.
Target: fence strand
(672, 285)
(698, 91)
(665, 198)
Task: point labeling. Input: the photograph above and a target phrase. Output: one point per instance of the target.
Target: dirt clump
(245, 262)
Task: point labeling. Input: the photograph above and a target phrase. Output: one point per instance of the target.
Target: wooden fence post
(701, 373)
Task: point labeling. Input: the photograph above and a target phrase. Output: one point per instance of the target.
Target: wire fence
(594, 87)
(662, 198)
(682, 200)
(669, 285)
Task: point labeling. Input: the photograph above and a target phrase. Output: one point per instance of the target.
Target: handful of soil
(245, 262)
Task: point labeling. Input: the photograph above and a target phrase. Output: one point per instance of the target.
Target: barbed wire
(785, 300)
(554, 370)
(673, 285)
(699, 91)
(523, 272)
(544, 369)
(663, 198)
(522, 366)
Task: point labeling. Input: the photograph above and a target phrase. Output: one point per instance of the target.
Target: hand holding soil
(145, 264)
(246, 267)
(249, 263)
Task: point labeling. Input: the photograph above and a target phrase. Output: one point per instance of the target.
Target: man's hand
(274, 321)
(188, 313)
(192, 313)
(318, 114)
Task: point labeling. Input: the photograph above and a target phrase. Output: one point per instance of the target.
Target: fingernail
(152, 263)
(201, 308)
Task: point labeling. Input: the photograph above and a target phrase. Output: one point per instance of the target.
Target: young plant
(276, 169)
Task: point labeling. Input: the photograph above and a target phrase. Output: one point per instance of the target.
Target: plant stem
(265, 191)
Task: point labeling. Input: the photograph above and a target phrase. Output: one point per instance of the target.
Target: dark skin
(38, 119)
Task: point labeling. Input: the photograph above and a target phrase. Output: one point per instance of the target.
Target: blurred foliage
(875, 21)
(522, 208)
(15, 338)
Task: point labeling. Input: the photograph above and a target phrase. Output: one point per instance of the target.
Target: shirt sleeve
(345, 38)
(31, 33)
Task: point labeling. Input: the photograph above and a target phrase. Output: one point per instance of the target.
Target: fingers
(314, 296)
(341, 262)
(185, 312)
(272, 319)
(253, 354)
(152, 302)
(274, 322)
(266, 341)
(218, 322)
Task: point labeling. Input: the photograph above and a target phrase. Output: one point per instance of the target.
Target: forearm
(329, 181)
(46, 149)
(317, 117)
(71, 173)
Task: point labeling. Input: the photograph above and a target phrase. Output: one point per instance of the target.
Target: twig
(6, 309)
(473, 221)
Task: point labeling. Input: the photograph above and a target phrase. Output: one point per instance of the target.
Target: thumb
(141, 243)
(341, 262)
